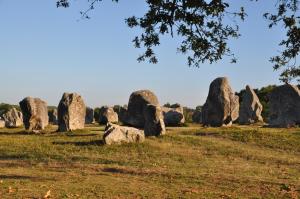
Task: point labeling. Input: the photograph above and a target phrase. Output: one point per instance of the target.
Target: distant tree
(96, 114)
(168, 105)
(199, 108)
(188, 114)
(205, 28)
(50, 108)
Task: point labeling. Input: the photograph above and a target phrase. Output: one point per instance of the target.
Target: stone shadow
(89, 143)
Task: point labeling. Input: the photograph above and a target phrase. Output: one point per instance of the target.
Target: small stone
(13, 118)
(108, 115)
(173, 116)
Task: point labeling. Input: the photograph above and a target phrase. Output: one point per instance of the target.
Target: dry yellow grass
(189, 162)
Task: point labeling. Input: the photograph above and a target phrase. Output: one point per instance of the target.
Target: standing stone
(115, 134)
(154, 121)
(197, 117)
(284, 106)
(221, 106)
(173, 116)
(251, 108)
(137, 104)
(53, 116)
(108, 115)
(35, 114)
(71, 112)
(13, 118)
(145, 112)
(2, 123)
(89, 115)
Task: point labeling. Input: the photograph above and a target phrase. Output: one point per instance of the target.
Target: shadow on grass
(16, 177)
(82, 135)
(94, 142)
(13, 157)
(22, 177)
(207, 134)
(135, 172)
(16, 133)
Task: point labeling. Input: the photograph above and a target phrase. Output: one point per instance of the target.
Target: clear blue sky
(46, 51)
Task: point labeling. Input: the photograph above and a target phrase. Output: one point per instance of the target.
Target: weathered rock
(2, 123)
(173, 116)
(284, 106)
(137, 104)
(13, 118)
(145, 112)
(222, 105)
(197, 117)
(115, 134)
(251, 108)
(35, 114)
(154, 121)
(53, 116)
(71, 112)
(89, 115)
(108, 115)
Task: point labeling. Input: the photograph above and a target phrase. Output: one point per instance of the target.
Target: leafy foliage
(188, 114)
(204, 29)
(288, 15)
(199, 23)
(97, 113)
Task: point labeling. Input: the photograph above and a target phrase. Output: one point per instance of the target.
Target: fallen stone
(115, 134)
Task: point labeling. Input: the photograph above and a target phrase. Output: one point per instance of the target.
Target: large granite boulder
(145, 112)
(13, 118)
(154, 121)
(251, 108)
(137, 104)
(197, 117)
(71, 112)
(115, 134)
(173, 116)
(222, 105)
(89, 115)
(53, 116)
(284, 106)
(107, 115)
(35, 114)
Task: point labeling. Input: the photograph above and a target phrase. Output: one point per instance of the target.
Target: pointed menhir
(222, 105)
(251, 108)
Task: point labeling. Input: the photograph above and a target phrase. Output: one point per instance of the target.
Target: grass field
(189, 162)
